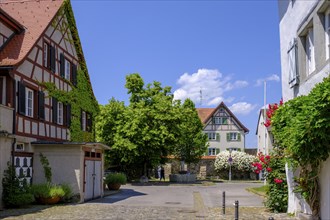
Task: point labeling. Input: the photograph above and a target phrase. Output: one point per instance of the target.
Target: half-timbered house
(224, 130)
(47, 103)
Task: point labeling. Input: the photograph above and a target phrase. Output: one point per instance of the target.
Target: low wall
(183, 178)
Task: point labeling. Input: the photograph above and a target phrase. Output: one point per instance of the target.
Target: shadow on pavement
(121, 195)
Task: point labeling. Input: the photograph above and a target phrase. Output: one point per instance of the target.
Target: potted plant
(47, 193)
(115, 180)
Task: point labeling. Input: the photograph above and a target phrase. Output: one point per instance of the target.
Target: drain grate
(187, 211)
(173, 203)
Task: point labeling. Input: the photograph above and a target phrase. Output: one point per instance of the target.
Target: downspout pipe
(14, 126)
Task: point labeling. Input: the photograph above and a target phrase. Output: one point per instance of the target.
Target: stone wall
(204, 168)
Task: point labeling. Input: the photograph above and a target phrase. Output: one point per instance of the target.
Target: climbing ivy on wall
(81, 97)
(301, 128)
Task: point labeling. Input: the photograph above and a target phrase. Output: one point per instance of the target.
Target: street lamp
(230, 161)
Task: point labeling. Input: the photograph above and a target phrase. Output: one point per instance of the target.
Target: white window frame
(212, 135)
(310, 53)
(29, 102)
(233, 136)
(83, 120)
(327, 33)
(60, 113)
(212, 151)
(19, 147)
(67, 69)
(220, 120)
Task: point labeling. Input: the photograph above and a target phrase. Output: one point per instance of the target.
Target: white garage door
(93, 179)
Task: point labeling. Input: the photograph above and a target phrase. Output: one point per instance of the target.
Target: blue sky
(226, 49)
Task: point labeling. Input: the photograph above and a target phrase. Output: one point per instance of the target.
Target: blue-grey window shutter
(62, 65)
(21, 98)
(41, 105)
(74, 74)
(218, 136)
(52, 58)
(54, 103)
(293, 63)
(68, 115)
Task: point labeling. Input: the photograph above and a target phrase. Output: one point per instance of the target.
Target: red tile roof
(34, 16)
(206, 113)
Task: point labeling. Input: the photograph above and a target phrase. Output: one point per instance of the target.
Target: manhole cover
(173, 203)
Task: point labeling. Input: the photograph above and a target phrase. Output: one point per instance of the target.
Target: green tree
(110, 116)
(142, 133)
(192, 142)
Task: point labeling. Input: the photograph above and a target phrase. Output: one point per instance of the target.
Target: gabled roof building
(43, 75)
(224, 130)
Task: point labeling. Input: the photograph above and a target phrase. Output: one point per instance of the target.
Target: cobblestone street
(133, 202)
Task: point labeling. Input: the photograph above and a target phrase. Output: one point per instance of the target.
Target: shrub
(274, 171)
(68, 193)
(15, 192)
(241, 162)
(115, 178)
(47, 190)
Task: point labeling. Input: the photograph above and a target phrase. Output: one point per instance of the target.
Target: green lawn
(261, 191)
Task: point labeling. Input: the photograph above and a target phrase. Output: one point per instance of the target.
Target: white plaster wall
(289, 24)
(6, 118)
(33, 53)
(65, 162)
(26, 68)
(288, 30)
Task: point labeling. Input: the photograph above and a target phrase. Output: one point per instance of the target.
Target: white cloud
(273, 77)
(242, 108)
(208, 85)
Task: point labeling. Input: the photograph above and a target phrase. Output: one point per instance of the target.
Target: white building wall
(294, 17)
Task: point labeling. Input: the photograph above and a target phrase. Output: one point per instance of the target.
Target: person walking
(162, 173)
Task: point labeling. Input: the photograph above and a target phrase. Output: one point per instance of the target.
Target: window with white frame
(212, 135)
(212, 151)
(67, 70)
(233, 136)
(310, 54)
(327, 33)
(60, 113)
(83, 121)
(29, 102)
(220, 120)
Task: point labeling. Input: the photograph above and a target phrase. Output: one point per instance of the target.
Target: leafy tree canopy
(150, 128)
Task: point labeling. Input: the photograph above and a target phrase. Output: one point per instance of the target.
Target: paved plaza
(158, 201)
